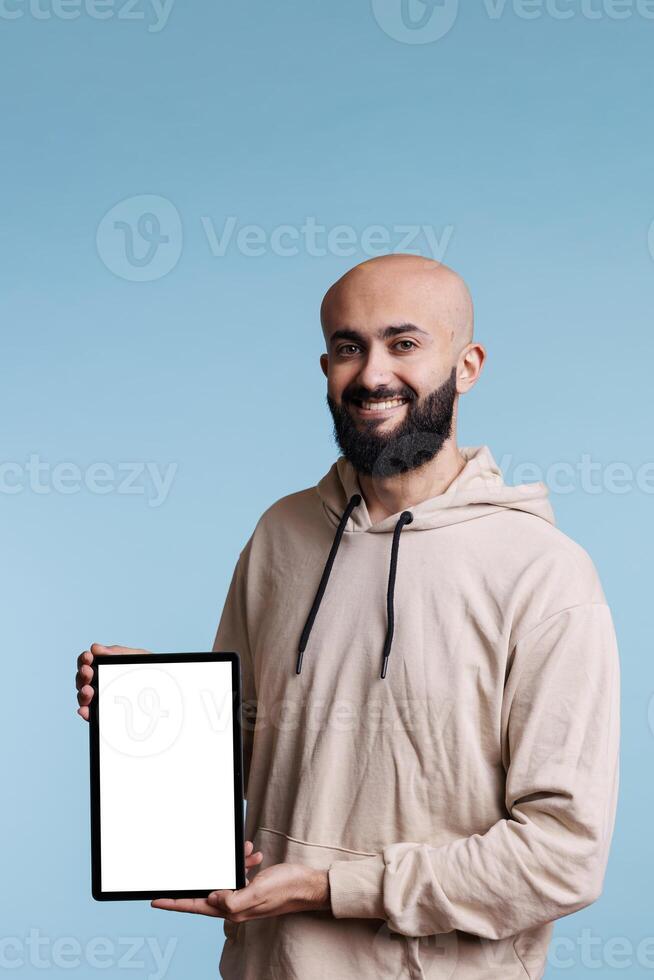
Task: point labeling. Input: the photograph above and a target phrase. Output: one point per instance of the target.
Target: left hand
(276, 890)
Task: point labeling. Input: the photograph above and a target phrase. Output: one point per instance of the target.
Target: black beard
(411, 444)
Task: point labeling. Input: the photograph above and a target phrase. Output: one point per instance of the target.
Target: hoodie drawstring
(406, 517)
(354, 501)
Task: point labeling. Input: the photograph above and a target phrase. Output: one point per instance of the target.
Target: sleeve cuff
(356, 888)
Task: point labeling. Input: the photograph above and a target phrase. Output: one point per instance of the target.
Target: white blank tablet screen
(166, 776)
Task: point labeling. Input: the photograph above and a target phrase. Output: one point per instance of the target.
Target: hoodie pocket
(319, 946)
(462, 956)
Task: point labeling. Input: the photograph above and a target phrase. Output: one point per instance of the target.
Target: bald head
(402, 289)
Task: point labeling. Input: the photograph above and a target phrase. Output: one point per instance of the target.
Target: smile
(381, 407)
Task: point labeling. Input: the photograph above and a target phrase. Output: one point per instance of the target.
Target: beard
(416, 440)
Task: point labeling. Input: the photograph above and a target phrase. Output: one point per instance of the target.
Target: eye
(345, 347)
(406, 342)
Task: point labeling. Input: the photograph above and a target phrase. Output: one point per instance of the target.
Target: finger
(85, 696)
(196, 906)
(254, 859)
(85, 658)
(250, 858)
(83, 713)
(218, 901)
(84, 676)
(100, 648)
(231, 903)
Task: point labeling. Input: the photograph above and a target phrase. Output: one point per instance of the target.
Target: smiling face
(396, 330)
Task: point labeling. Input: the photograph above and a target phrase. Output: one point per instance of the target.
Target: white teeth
(380, 406)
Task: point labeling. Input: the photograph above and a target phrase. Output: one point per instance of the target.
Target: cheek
(431, 379)
(420, 381)
(339, 378)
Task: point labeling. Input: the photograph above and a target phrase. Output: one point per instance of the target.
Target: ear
(324, 364)
(471, 361)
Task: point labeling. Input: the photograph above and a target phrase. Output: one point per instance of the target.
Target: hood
(478, 490)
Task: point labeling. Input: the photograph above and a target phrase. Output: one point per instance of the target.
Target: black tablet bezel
(94, 744)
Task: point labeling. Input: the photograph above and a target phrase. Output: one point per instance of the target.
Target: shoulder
(293, 507)
(556, 551)
(291, 516)
(552, 572)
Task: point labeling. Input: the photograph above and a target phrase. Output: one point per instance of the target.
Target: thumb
(114, 648)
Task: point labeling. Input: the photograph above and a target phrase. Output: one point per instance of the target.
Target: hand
(84, 674)
(276, 890)
(200, 905)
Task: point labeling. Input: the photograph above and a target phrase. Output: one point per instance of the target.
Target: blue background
(529, 139)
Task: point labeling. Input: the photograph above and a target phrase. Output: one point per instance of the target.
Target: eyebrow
(384, 333)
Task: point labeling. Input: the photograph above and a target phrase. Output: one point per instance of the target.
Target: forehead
(370, 303)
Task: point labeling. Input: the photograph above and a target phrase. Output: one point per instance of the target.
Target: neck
(393, 494)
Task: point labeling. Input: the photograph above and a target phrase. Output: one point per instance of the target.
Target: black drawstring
(405, 518)
(354, 501)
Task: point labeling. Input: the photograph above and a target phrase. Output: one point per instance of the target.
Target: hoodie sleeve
(547, 857)
(232, 635)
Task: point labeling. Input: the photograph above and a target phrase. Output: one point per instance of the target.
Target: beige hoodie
(465, 800)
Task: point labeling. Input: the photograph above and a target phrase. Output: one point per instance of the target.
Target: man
(430, 675)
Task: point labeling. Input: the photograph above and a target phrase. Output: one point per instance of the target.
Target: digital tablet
(166, 776)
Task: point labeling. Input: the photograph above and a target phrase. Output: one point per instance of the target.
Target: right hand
(84, 674)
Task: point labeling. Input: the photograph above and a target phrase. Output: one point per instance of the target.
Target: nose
(376, 370)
